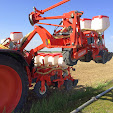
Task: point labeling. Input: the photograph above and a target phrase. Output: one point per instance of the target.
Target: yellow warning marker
(48, 41)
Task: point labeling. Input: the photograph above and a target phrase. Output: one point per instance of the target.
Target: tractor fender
(14, 54)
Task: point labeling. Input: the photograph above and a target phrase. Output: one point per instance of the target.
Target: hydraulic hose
(50, 71)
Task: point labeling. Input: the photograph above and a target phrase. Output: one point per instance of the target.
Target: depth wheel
(67, 57)
(37, 90)
(75, 82)
(13, 85)
(68, 85)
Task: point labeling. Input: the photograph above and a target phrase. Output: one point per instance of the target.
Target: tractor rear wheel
(110, 56)
(87, 57)
(67, 57)
(13, 85)
(104, 55)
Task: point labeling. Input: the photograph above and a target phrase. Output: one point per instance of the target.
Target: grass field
(93, 79)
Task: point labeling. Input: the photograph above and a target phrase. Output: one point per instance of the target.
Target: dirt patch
(92, 73)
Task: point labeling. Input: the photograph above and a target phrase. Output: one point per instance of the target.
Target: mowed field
(91, 73)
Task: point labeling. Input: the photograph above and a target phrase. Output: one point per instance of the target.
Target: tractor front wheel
(13, 85)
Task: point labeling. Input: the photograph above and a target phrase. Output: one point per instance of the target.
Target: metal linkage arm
(56, 5)
(36, 13)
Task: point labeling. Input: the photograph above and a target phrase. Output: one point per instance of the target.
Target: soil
(91, 73)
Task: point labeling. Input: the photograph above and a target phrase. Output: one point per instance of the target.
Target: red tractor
(17, 66)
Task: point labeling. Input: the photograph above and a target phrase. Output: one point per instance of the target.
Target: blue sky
(14, 16)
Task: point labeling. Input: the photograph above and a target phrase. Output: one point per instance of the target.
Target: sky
(14, 16)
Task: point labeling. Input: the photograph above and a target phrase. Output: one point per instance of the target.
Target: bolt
(72, 15)
(34, 9)
(72, 43)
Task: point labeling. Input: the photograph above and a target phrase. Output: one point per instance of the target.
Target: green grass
(102, 105)
(65, 102)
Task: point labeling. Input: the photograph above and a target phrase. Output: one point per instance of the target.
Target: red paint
(44, 54)
(55, 54)
(10, 88)
(60, 56)
(15, 32)
(83, 19)
(100, 17)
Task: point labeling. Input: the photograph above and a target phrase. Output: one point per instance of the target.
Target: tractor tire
(87, 57)
(109, 56)
(104, 55)
(13, 85)
(67, 57)
(38, 91)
